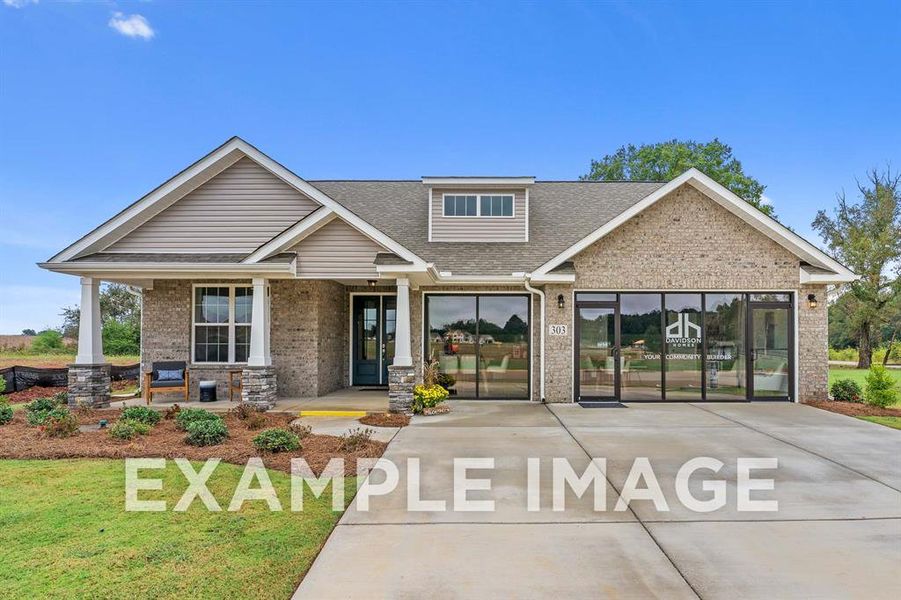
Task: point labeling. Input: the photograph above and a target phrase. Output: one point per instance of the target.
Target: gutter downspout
(540, 294)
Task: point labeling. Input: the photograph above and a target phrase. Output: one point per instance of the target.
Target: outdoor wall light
(371, 282)
(812, 300)
(561, 301)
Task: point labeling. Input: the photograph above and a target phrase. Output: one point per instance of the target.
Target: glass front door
(598, 350)
(771, 348)
(373, 321)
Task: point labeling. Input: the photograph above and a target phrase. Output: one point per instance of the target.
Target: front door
(373, 319)
(598, 376)
(771, 351)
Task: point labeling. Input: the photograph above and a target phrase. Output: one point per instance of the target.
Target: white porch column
(90, 341)
(259, 327)
(403, 356)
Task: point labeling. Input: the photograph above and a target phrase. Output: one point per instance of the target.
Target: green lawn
(893, 422)
(66, 535)
(860, 375)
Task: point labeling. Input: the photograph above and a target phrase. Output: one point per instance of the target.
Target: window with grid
(222, 316)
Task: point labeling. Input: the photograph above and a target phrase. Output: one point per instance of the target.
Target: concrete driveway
(837, 533)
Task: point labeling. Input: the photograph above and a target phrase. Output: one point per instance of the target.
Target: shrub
(428, 396)
(122, 430)
(255, 421)
(276, 440)
(355, 439)
(61, 397)
(845, 390)
(121, 338)
(300, 430)
(6, 411)
(244, 411)
(37, 413)
(142, 414)
(140, 427)
(880, 388)
(47, 341)
(206, 432)
(60, 423)
(2, 384)
(172, 412)
(186, 416)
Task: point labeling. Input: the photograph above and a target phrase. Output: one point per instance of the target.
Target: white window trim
(478, 214)
(231, 322)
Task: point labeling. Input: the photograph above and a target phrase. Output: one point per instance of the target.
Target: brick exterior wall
(813, 345)
(687, 242)
(308, 335)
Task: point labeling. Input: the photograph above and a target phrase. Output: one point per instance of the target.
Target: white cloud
(766, 201)
(19, 3)
(135, 26)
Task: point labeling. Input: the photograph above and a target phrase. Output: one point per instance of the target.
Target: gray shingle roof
(560, 214)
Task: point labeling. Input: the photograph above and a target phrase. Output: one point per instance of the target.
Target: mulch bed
(853, 409)
(32, 393)
(385, 420)
(18, 440)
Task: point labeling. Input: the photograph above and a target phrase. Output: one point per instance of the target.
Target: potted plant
(429, 395)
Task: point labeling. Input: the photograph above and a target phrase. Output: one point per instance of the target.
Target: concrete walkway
(837, 533)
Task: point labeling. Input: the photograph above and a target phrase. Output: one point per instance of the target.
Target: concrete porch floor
(370, 400)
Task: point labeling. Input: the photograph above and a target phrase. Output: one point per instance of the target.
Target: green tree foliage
(47, 341)
(120, 311)
(866, 237)
(667, 160)
(29, 332)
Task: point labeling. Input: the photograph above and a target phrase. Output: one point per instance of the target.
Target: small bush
(427, 396)
(41, 405)
(47, 341)
(140, 427)
(122, 430)
(244, 411)
(206, 432)
(355, 439)
(846, 390)
(880, 388)
(255, 421)
(186, 416)
(60, 423)
(6, 411)
(276, 440)
(142, 414)
(300, 430)
(172, 412)
(40, 414)
(61, 397)
(2, 384)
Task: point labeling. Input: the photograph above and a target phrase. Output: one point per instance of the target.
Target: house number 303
(557, 329)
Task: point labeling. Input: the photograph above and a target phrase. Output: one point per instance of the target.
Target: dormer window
(478, 205)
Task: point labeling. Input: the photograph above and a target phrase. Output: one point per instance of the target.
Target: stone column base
(258, 386)
(400, 389)
(89, 386)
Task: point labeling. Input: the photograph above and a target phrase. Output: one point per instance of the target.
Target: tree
(866, 237)
(667, 160)
(120, 313)
(47, 341)
(29, 332)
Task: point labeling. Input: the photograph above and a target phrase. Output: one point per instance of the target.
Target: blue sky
(101, 102)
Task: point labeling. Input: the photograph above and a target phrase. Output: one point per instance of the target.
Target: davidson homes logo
(683, 332)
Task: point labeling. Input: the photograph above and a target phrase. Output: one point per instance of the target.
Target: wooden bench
(153, 383)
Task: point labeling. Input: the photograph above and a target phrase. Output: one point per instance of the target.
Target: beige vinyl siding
(236, 211)
(337, 251)
(478, 229)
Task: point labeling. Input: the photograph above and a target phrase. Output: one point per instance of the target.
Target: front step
(356, 414)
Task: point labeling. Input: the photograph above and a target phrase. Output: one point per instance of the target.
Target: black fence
(20, 378)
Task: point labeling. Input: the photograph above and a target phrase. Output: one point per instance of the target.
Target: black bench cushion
(168, 383)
